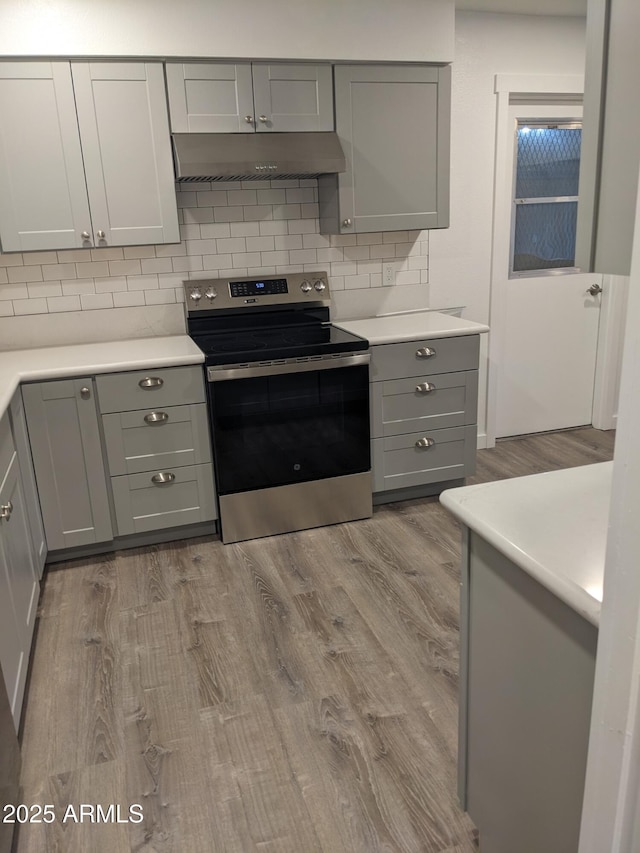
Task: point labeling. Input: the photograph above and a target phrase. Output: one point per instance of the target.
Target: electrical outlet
(389, 271)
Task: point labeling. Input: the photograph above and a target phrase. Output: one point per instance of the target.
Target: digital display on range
(258, 287)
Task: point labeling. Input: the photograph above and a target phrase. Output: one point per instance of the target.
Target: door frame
(538, 89)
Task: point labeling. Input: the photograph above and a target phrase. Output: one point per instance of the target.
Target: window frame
(569, 123)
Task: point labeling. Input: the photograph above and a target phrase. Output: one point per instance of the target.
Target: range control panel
(258, 287)
(216, 293)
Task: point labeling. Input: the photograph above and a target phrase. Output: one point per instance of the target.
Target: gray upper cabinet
(40, 148)
(610, 151)
(216, 97)
(394, 126)
(85, 156)
(67, 455)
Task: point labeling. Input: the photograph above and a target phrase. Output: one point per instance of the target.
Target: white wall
(486, 45)
(373, 30)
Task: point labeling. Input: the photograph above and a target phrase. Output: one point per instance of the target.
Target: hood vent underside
(256, 156)
(256, 177)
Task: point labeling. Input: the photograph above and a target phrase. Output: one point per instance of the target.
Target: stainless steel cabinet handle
(346, 223)
(425, 442)
(163, 478)
(425, 387)
(156, 417)
(425, 352)
(263, 119)
(100, 235)
(594, 290)
(151, 382)
(248, 119)
(85, 393)
(85, 235)
(6, 510)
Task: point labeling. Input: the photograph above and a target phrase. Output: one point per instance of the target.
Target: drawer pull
(425, 442)
(425, 387)
(156, 417)
(6, 510)
(163, 478)
(151, 382)
(425, 352)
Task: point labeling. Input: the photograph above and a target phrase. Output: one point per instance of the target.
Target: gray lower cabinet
(32, 501)
(10, 761)
(119, 454)
(156, 438)
(394, 126)
(18, 576)
(527, 664)
(424, 400)
(66, 447)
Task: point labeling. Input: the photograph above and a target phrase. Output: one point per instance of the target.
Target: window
(545, 197)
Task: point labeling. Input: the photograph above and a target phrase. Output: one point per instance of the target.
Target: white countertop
(411, 326)
(58, 362)
(552, 525)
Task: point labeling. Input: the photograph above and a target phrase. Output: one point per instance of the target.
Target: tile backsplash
(229, 229)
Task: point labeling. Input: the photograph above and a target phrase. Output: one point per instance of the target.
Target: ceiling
(525, 7)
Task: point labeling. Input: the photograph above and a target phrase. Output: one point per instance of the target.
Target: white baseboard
(482, 441)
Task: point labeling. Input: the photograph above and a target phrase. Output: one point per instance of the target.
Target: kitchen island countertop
(552, 525)
(58, 362)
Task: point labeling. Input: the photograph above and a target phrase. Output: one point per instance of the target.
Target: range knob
(319, 285)
(210, 293)
(195, 295)
(305, 287)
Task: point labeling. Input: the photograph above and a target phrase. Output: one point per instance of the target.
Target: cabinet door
(11, 658)
(20, 574)
(393, 122)
(291, 97)
(10, 760)
(67, 457)
(124, 129)
(211, 97)
(610, 148)
(32, 503)
(43, 195)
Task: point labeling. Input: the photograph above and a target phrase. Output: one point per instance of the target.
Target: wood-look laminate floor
(286, 695)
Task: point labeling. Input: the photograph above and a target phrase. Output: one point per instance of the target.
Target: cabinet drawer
(152, 439)
(150, 389)
(436, 401)
(143, 504)
(423, 358)
(399, 463)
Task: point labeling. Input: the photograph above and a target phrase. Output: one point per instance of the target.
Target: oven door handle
(222, 374)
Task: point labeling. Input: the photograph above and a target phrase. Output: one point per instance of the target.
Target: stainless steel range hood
(255, 156)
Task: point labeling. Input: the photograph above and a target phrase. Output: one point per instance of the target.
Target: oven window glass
(290, 428)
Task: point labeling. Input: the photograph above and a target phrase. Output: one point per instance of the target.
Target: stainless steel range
(288, 404)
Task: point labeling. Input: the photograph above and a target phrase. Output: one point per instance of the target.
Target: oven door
(279, 424)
